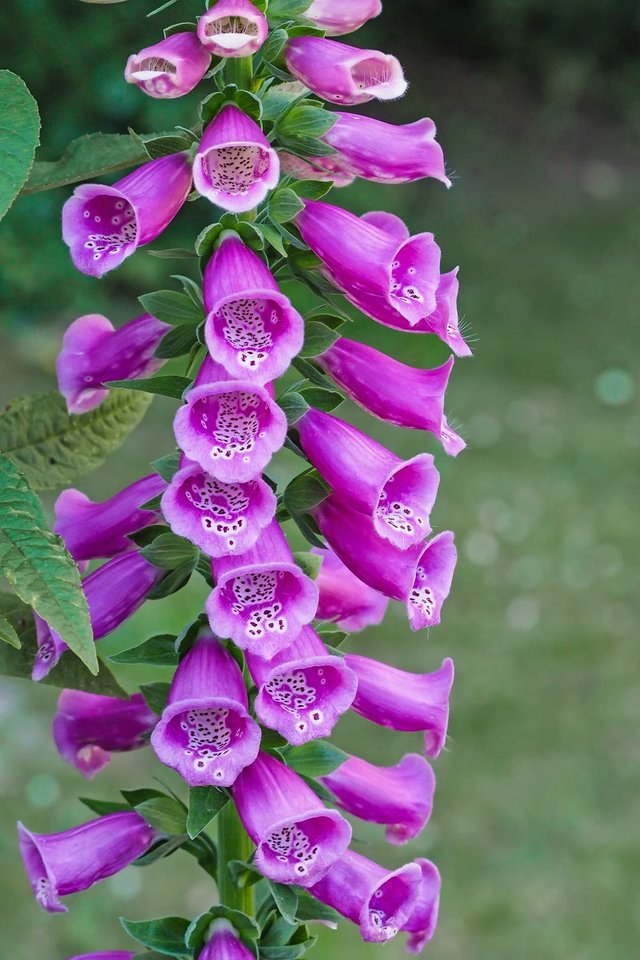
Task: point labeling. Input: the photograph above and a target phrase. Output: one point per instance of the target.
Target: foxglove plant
(258, 681)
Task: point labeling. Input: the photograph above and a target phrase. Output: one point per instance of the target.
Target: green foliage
(166, 935)
(86, 158)
(205, 803)
(173, 387)
(294, 406)
(309, 563)
(172, 307)
(155, 695)
(164, 814)
(19, 136)
(158, 651)
(305, 492)
(170, 552)
(318, 758)
(318, 337)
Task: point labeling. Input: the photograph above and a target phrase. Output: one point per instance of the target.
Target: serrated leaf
(166, 935)
(172, 386)
(165, 814)
(294, 406)
(86, 158)
(167, 466)
(205, 803)
(159, 651)
(54, 448)
(8, 634)
(284, 205)
(305, 492)
(286, 900)
(318, 758)
(309, 563)
(165, 145)
(177, 342)
(156, 695)
(19, 136)
(172, 307)
(169, 551)
(318, 337)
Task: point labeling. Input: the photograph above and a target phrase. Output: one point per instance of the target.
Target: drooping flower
(398, 495)
(88, 728)
(303, 690)
(251, 328)
(315, 168)
(344, 599)
(230, 427)
(59, 864)
(92, 530)
(422, 923)
(337, 17)
(94, 352)
(233, 28)
(224, 944)
(298, 839)
(393, 391)
(102, 225)
(235, 166)
(417, 702)
(170, 68)
(344, 74)
(261, 599)
(205, 732)
(400, 797)
(379, 901)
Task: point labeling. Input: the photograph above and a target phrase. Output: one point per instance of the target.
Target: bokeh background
(535, 827)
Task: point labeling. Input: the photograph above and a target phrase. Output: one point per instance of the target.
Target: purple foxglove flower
(422, 923)
(170, 68)
(420, 576)
(400, 797)
(220, 518)
(302, 691)
(315, 168)
(106, 955)
(396, 494)
(205, 732)
(59, 864)
(251, 328)
(261, 599)
(379, 901)
(230, 427)
(298, 839)
(91, 530)
(337, 17)
(88, 728)
(235, 166)
(114, 592)
(224, 944)
(344, 599)
(93, 352)
(344, 74)
(404, 701)
(102, 225)
(393, 391)
(233, 28)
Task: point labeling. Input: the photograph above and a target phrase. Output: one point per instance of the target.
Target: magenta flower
(102, 225)
(88, 728)
(205, 732)
(379, 901)
(93, 352)
(344, 74)
(422, 923)
(59, 864)
(235, 166)
(315, 168)
(170, 68)
(92, 530)
(230, 427)
(298, 839)
(261, 599)
(393, 391)
(224, 944)
(404, 701)
(251, 328)
(337, 17)
(344, 599)
(400, 797)
(233, 28)
(303, 690)
(397, 495)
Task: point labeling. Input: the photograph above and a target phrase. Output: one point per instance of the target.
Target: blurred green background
(535, 827)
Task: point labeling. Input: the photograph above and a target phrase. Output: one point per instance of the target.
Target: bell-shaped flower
(251, 327)
(397, 495)
(261, 599)
(422, 923)
(230, 427)
(59, 864)
(315, 168)
(379, 901)
(393, 391)
(88, 728)
(303, 690)
(170, 68)
(114, 592)
(297, 837)
(205, 732)
(224, 944)
(94, 352)
(233, 28)
(344, 74)
(337, 17)
(400, 797)
(411, 702)
(235, 166)
(344, 599)
(102, 225)
(92, 530)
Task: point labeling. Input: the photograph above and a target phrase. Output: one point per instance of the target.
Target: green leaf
(19, 137)
(162, 849)
(165, 935)
(192, 290)
(329, 635)
(177, 342)
(159, 651)
(104, 807)
(274, 44)
(309, 563)
(284, 205)
(174, 581)
(305, 492)
(53, 448)
(155, 695)
(165, 814)
(205, 803)
(311, 909)
(286, 952)
(165, 144)
(172, 387)
(8, 634)
(318, 337)
(136, 797)
(173, 253)
(169, 551)
(309, 530)
(301, 126)
(167, 466)
(322, 398)
(86, 158)
(312, 189)
(294, 406)
(172, 307)
(273, 237)
(246, 926)
(318, 758)
(286, 900)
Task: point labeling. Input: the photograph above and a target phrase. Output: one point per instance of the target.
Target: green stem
(239, 70)
(233, 844)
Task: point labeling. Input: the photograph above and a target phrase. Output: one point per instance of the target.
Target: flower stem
(239, 70)
(233, 844)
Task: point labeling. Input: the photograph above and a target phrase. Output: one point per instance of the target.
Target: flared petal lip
(320, 867)
(419, 459)
(48, 899)
(240, 202)
(71, 209)
(411, 874)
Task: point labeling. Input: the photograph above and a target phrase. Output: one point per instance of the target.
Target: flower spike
(233, 28)
(344, 74)
(170, 68)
